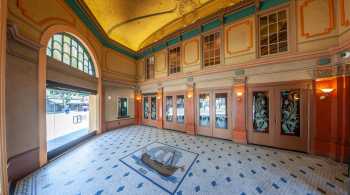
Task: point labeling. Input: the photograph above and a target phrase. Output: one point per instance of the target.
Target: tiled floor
(108, 165)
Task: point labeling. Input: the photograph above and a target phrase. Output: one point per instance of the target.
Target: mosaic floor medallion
(162, 164)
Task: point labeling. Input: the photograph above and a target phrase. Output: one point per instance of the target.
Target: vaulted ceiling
(136, 24)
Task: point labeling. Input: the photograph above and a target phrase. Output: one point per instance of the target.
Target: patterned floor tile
(221, 167)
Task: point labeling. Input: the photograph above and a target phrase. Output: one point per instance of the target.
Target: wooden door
(222, 111)
(204, 110)
(149, 110)
(169, 111)
(278, 115)
(260, 116)
(291, 117)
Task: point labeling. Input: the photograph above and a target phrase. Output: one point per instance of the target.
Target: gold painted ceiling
(139, 23)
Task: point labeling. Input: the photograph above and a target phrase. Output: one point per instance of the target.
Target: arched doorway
(45, 58)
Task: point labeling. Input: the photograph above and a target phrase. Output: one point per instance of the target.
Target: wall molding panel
(191, 47)
(344, 13)
(306, 18)
(243, 30)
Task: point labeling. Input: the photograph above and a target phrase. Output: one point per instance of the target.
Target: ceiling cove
(133, 25)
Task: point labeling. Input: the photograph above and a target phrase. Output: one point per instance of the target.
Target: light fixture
(158, 97)
(239, 95)
(189, 94)
(109, 97)
(138, 98)
(326, 91)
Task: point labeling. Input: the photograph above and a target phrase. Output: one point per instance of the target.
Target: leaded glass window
(149, 68)
(261, 111)
(174, 60)
(180, 108)
(69, 50)
(169, 108)
(273, 33)
(211, 49)
(290, 112)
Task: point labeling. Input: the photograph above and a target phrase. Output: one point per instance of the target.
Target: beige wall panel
(111, 105)
(191, 54)
(321, 11)
(140, 70)
(22, 103)
(218, 80)
(116, 62)
(161, 64)
(239, 38)
(240, 58)
(281, 72)
(344, 15)
(318, 44)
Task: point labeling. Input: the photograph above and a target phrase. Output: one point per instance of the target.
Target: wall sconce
(239, 96)
(138, 98)
(326, 92)
(109, 97)
(158, 97)
(189, 94)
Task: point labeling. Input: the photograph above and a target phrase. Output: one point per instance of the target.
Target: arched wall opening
(95, 100)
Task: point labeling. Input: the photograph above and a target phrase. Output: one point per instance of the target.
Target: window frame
(180, 59)
(127, 107)
(289, 32)
(146, 67)
(208, 33)
(87, 68)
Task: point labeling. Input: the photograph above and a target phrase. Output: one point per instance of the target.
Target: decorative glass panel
(180, 109)
(69, 50)
(261, 111)
(145, 107)
(169, 108)
(204, 112)
(290, 112)
(221, 110)
(153, 108)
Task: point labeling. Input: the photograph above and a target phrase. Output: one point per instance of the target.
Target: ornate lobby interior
(179, 97)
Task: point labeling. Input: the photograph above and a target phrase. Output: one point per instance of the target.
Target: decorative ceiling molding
(234, 11)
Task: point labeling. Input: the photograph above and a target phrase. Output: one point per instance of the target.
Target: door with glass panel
(149, 110)
(214, 113)
(291, 117)
(260, 116)
(277, 116)
(174, 111)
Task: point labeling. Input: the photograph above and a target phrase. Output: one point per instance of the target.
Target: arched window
(69, 50)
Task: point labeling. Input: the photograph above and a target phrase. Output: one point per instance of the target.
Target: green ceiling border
(191, 33)
(95, 30)
(232, 17)
(271, 3)
(211, 25)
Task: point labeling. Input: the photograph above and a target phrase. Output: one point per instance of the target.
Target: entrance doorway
(149, 110)
(277, 115)
(174, 110)
(68, 118)
(214, 113)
